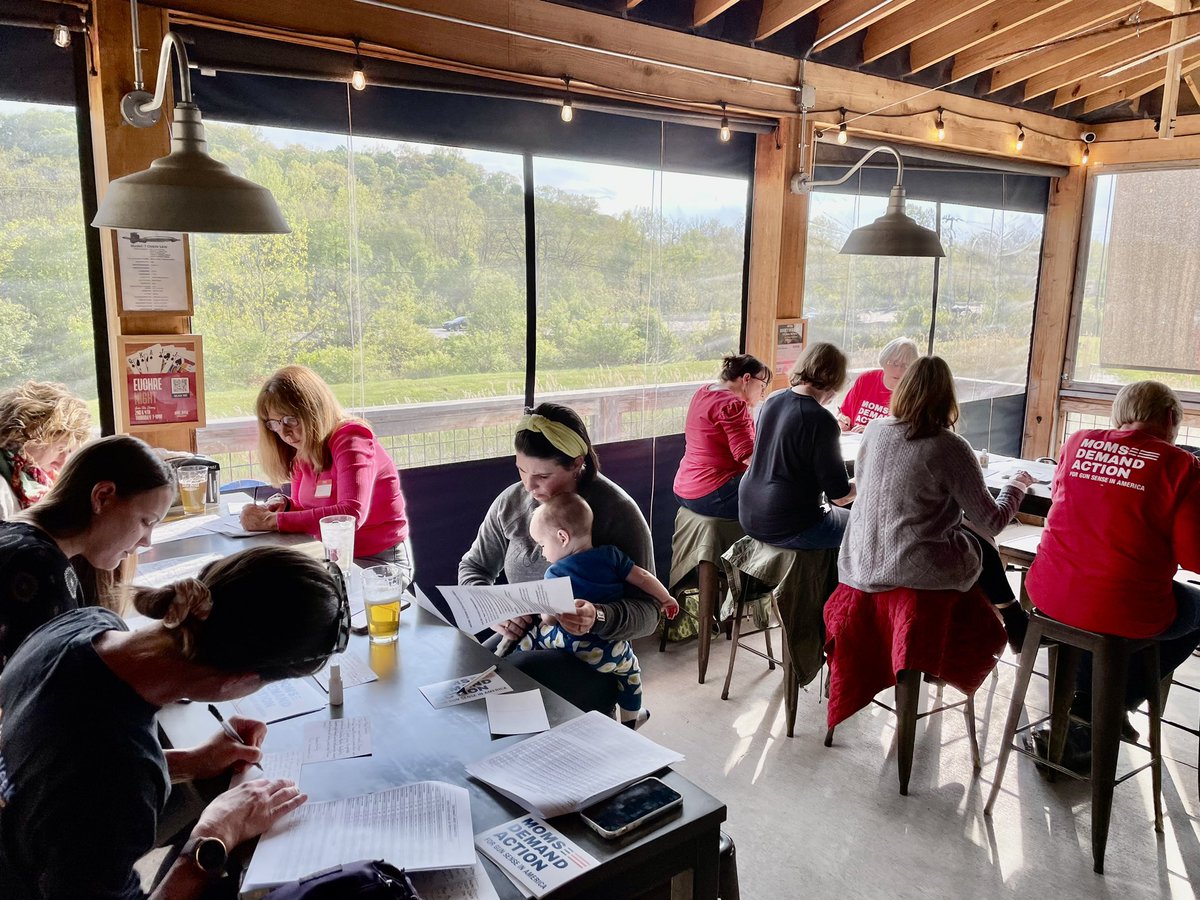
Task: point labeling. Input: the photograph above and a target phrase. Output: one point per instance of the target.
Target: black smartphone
(635, 805)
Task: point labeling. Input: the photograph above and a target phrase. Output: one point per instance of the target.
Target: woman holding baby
(554, 455)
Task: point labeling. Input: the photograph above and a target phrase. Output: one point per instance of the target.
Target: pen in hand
(474, 681)
(228, 729)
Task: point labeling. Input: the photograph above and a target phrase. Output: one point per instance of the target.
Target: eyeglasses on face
(277, 425)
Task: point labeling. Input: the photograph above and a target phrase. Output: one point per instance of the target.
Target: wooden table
(412, 741)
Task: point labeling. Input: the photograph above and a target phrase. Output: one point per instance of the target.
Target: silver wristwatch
(601, 617)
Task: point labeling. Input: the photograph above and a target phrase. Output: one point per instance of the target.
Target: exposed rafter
(1031, 64)
(707, 10)
(1102, 61)
(778, 14)
(840, 19)
(1061, 23)
(992, 20)
(921, 18)
(1101, 93)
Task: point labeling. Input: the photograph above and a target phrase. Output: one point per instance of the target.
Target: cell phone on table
(634, 806)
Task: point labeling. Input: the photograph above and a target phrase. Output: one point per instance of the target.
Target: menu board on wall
(162, 380)
(153, 267)
(791, 335)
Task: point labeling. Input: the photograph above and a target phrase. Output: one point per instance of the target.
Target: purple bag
(362, 880)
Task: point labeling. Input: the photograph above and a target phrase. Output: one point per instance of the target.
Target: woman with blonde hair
(797, 460)
(916, 478)
(41, 424)
(336, 466)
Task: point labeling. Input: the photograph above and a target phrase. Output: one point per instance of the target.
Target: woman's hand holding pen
(220, 753)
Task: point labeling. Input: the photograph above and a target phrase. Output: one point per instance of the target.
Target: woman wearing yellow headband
(555, 456)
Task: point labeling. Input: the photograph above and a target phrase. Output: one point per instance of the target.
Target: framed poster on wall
(791, 337)
(154, 269)
(162, 380)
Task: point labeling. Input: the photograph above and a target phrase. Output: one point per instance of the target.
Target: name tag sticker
(323, 490)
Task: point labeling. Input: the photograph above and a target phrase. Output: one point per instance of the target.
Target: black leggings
(992, 580)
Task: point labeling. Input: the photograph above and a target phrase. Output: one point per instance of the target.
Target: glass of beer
(382, 587)
(337, 534)
(193, 484)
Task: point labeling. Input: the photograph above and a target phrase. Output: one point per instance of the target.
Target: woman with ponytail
(59, 554)
(83, 777)
(555, 456)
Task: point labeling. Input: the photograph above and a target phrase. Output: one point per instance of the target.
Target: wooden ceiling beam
(1190, 81)
(1032, 64)
(1102, 61)
(992, 20)
(779, 14)
(1059, 23)
(707, 10)
(1134, 87)
(1174, 71)
(921, 18)
(840, 19)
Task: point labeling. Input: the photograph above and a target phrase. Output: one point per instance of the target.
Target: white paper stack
(573, 765)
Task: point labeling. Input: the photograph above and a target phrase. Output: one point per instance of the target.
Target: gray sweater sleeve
(483, 563)
(990, 515)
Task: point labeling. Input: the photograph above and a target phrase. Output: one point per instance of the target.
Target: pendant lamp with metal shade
(186, 190)
(892, 234)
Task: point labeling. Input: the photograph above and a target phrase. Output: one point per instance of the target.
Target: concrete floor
(829, 822)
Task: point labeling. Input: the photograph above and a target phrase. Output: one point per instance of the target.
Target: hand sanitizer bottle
(983, 458)
(335, 685)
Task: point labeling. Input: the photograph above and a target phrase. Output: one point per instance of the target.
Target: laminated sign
(163, 381)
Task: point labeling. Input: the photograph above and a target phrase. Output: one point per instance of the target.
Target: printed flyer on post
(536, 857)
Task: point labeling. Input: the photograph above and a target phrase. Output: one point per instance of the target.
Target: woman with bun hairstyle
(719, 436)
(83, 777)
(107, 499)
(336, 466)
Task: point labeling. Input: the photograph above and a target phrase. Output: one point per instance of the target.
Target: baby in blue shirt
(562, 526)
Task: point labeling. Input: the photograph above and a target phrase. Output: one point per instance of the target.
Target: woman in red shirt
(336, 465)
(719, 435)
(1125, 517)
(870, 397)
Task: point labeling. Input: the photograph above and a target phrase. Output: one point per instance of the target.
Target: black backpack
(365, 879)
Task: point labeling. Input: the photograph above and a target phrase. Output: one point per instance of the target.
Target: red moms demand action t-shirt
(1125, 515)
(867, 399)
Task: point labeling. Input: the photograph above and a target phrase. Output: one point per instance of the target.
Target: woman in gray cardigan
(916, 479)
(555, 455)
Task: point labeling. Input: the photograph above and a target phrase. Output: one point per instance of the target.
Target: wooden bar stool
(1110, 668)
(696, 549)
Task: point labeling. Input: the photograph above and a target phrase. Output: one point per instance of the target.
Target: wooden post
(121, 149)
(778, 238)
(1051, 320)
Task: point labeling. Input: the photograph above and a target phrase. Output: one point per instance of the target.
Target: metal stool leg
(767, 637)
(708, 606)
(969, 712)
(1150, 668)
(1064, 667)
(908, 693)
(1110, 668)
(1028, 657)
(735, 632)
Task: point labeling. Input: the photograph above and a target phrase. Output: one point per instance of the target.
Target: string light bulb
(568, 110)
(940, 125)
(358, 78)
(1020, 137)
(725, 133)
(62, 36)
(843, 135)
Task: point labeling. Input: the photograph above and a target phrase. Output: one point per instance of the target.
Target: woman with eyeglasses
(870, 397)
(83, 777)
(719, 437)
(60, 554)
(336, 466)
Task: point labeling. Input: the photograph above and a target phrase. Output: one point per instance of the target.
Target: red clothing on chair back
(1125, 515)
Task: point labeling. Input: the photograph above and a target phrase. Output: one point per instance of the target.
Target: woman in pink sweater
(336, 467)
(720, 438)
